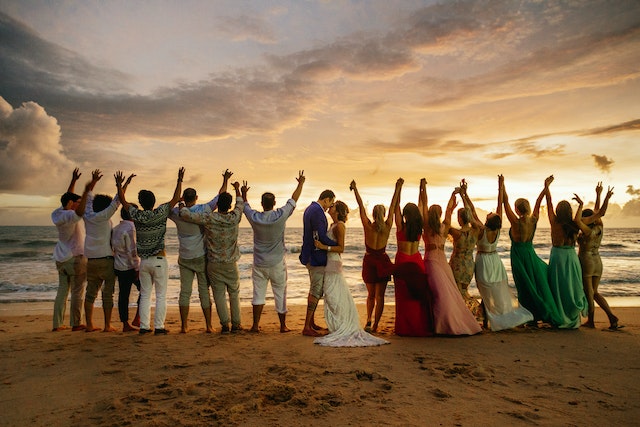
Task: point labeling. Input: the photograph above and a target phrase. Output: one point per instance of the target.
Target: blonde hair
(522, 206)
(378, 217)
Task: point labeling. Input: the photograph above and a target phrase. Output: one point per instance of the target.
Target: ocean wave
(7, 287)
(22, 254)
(38, 243)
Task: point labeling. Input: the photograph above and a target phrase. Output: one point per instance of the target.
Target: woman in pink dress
(450, 313)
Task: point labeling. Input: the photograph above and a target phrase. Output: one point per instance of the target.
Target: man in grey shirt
(269, 250)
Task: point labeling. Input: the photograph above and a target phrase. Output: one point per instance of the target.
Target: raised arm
(119, 177)
(547, 194)
(225, 181)
(75, 175)
(578, 217)
(468, 204)
(423, 201)
(598, 193)
(543, 193)
(96, 175)
(361, 209)
(244, 190)
(599, 213)
(83, 200)
(296, 193)
(395, 202)
(451, 205)
(177, 193)
(500, 195)
(511, 216)
(397, 212)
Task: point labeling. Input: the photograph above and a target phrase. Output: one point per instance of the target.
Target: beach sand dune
(519, 377)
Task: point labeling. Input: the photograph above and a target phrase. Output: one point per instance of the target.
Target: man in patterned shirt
(221, 233)
(151, 226)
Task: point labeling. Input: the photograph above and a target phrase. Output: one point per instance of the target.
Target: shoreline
(515, 377)
(47, 306)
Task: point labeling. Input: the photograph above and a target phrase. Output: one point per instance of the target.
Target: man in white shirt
(191, 258)
(69, 256)
(269, 251)
(97, 248)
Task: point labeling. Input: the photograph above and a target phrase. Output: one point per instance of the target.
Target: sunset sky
(364, 90)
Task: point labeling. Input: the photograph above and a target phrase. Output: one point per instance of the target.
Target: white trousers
(153, 272)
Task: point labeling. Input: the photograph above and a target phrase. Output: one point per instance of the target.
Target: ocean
(28, 273)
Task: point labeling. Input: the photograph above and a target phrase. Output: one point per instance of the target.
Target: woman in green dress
(528, 270)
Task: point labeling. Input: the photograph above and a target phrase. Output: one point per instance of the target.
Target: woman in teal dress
(528, 270)
(565, 273)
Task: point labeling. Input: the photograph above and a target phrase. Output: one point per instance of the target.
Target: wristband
(328, 248)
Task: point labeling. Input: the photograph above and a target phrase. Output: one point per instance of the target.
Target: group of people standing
(431, 291)
(134, 252)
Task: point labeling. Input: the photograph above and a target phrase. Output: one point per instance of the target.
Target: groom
(315, 227)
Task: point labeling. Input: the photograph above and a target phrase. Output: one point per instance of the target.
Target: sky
(364, 90)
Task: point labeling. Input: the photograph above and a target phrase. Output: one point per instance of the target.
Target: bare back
(375, 239)
(523, 228)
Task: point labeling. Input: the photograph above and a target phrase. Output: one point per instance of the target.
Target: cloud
(31, 156)
(632, 125)
(246, 27)
(635, 192)
(602, 162)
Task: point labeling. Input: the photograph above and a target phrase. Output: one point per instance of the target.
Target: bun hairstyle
(342, 210)
(522, 206)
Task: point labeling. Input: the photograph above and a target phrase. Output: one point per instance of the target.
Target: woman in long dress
(413, 302)
(590, 261)
(528, 270)
(500, 309)
(376, 265)
(565, 273)
(340, 311)
(461, 260)
(450, 313)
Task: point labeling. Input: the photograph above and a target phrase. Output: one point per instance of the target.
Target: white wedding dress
(340, 311)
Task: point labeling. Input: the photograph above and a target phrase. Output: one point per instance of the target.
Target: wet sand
(517, 377)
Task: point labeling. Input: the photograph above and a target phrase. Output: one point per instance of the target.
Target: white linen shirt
(123, 242)
(268, 233)
(97, 243)
(70, 234)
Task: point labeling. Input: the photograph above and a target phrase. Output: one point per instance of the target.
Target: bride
(340, 311)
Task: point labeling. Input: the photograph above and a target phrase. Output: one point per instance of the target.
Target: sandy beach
(517, 377)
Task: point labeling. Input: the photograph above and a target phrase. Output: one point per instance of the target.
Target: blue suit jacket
(314, 219)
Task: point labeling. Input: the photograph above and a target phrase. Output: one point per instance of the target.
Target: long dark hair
(564, 217)
(412, 222)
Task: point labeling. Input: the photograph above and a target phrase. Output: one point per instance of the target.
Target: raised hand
(577, 199)
(96, 175)
(301, 178)
(609, 192)
(181, 174)
(599, 187)
(129, 179)
(119, 177)
(75, 175)
(548, 181)
(352, 185)
(226, 174)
